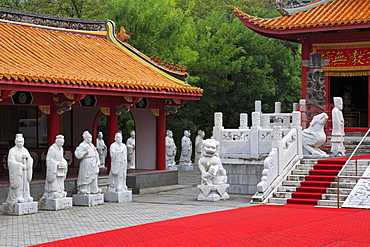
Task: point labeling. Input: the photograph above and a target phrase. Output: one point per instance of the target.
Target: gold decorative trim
(128, 98)
(71, 96)
(105, 111)
(45, 109)
(347, 73)
(12, 93)
(155, 112)
(177, 101)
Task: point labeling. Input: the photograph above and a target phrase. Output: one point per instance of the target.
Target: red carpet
(264, 225)
(319, 179)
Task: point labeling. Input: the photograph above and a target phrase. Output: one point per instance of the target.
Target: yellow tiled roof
(31, 54)
(337, 12)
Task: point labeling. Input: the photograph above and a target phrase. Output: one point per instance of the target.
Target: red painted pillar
(161, 140)
(306, 50)
(112, 129)
(53, 125)
(368, 101)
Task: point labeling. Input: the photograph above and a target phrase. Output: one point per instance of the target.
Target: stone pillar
(243, 121)
(296, 123)
(255, 129)
(277, 107)
(53, 125)
(303, 109)
(217, 129)
(277, 143)
(258, 106)
(161, 140)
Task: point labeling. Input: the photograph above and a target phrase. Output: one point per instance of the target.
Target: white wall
(145, 130)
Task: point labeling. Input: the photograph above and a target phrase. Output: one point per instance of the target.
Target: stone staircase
(329, 198)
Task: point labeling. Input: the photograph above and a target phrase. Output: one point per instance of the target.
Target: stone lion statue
(212, 171)
(314, 136)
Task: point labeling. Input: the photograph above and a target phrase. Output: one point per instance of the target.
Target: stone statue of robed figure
(20, 165)
(117, 188)
(55, 196)
(87, 181)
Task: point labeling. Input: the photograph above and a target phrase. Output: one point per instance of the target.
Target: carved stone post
(296, 123)
(217, 129)
(255, 129)
(243, 121)
(277, 107)
(257, 106)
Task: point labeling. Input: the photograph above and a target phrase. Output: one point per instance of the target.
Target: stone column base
(20, 208)
(122, 196)
(88, 200)
(55, 204)
(213, 193)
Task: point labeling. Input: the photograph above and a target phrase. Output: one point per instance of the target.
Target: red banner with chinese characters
(345, 56)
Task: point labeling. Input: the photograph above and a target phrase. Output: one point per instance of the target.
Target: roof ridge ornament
(290, 7)
(170, 66)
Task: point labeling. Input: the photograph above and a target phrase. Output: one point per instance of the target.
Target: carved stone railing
(284, 151)
(255, 141)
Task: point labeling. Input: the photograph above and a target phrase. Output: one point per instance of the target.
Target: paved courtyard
(151, 205)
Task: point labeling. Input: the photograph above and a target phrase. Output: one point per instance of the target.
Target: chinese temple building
(340, 31)
(58, 75)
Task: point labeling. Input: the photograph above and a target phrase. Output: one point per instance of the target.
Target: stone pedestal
(88, 200)
(55, 204)
(213, 193)
(172, 168)
(20, 208)
(122, 196)
(187, 168)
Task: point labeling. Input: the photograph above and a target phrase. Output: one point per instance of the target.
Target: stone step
(342, 185)
(286, 195)
(295, 178)
(342, 191)
(309, 161)
(300, 172)
(277, 200)
(304, 167)
(286, 189)
(291, 183)
(329, 203)
(333, 197)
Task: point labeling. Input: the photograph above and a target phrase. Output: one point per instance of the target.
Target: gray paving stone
(151, 205)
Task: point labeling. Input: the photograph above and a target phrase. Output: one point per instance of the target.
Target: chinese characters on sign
(346, 57)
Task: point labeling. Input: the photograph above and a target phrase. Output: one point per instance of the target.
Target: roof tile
(337, 12)
(58, 57)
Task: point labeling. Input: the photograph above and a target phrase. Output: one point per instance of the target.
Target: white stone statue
(314, 136)
(130, 143)
(337, 134)
(170, 149)
(20, 165)
(210, 166)
(117, 175)
(198, 146)
(102, 149)
(56, 170)
(87, 181)
(213, 176)
(186, 149)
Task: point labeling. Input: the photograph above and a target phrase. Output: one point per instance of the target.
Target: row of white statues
(20, 163)
(103, 150)
(185, 162)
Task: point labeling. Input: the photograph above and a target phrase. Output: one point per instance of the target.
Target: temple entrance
(354, 91)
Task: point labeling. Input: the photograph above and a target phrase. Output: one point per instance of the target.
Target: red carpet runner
(319, 179)
(265, 225)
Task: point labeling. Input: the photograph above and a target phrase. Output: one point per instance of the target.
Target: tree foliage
(234, 65)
